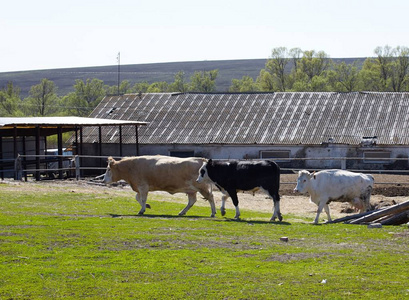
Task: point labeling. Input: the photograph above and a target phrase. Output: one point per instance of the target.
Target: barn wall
(313, 152)
(8, 146)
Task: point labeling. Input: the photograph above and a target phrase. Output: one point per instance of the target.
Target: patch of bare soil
(388, 190)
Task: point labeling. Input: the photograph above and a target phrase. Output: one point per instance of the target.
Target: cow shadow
(222, 219)
(251, 222)
(151, 216)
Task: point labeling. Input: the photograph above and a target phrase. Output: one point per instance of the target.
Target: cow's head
(303, 181)
(108, 177)
(203, 172)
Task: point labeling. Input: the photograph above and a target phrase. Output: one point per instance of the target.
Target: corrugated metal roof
(63, 121)
(259, 118)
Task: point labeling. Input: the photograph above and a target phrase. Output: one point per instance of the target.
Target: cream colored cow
(160, 173)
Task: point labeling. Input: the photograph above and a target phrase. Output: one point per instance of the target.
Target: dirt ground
(388, 190)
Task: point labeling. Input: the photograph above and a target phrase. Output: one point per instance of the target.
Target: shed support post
(38, 152)
(100, 145)
(1, 157)
(15, 142)
(24, 158)
(77, 167)
(60, 158)
(137, 140)
(80, 148)
(120, 141)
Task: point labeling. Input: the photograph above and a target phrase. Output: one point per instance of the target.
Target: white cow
(335, 185)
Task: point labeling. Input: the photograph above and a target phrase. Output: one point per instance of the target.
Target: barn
(358, 130)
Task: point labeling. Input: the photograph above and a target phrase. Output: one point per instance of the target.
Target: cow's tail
(368, 193)
(277, 183)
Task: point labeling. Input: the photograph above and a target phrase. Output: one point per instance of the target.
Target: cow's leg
(326, 207)
(276, 200)
(209, 197)
(141, 197)
(223, 207)
(235, 199)
(366, 199)
(138, 198)
(192, 199)
(321, 205)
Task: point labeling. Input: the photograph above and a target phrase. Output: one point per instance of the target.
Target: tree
(384, 59)
(399, 69)
(246, 84)
(85, 97)
(204, 82)
(369, 76)
(10, 101)
(274, 77)
(140, 87)
(388, 72)
(92, 91)
(43, 99)
(314, 63)
(158, 87)
(311, 71)
(179, 84)
(265, 81)
(295, 54)
(344, 77)
(75, 105)
(277, 65)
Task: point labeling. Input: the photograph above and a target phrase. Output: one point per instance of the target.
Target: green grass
(56, 243)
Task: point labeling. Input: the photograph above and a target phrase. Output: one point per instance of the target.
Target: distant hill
(65, 78)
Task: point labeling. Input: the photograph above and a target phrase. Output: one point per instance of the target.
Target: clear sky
(47, 34)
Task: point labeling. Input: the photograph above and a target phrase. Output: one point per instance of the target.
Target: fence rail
(38, 165)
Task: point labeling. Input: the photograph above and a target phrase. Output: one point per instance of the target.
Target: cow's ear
(111, 161)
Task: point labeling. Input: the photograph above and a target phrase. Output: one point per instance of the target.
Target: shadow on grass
(257, 221)
(158, 216)
(223, 219)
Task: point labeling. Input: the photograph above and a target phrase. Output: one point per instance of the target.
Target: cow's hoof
(212, 216)
(273, 218)
(141, 213)
(148, 206)
(223, 212)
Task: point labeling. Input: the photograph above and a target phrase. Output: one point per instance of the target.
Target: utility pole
(119, 69)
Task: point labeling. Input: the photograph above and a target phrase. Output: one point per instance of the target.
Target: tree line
(44, 101)
(287, 70)
(294, 70)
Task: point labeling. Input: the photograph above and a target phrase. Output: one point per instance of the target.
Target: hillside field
(64, 79)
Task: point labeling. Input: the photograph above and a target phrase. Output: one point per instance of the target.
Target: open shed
(28, 135)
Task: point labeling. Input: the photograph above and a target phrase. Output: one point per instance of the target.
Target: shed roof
(289, 118)
(49, 125)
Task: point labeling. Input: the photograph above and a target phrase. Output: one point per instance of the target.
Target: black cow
(233, 176)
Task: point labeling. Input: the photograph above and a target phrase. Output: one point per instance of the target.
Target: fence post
(343, 164)
(77, 167)
(18, 169)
